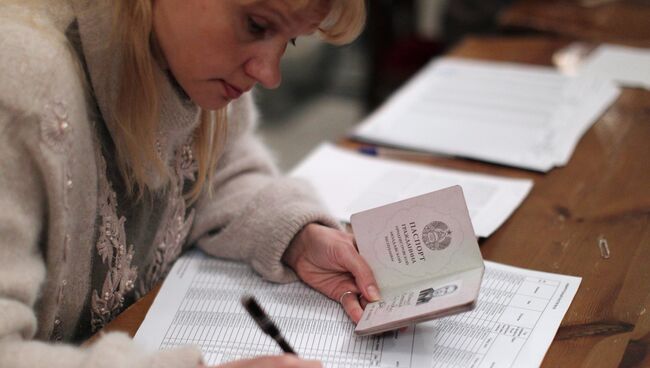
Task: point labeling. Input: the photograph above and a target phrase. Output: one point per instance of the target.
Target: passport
(425, 257)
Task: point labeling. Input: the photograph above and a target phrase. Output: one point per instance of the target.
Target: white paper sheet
(627, 66)
(350, 182)
(199, 304)
(519, 115)
(517, 315)
(513, 325)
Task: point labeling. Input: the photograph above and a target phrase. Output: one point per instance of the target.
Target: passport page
(418, 239)
(406, 305)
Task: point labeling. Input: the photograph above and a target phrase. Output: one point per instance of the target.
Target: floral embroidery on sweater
(175, 226)
(55, 133)
(55, 126)
(112, 248)
(111, 245)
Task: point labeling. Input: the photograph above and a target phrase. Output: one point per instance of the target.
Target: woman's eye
(255, 27)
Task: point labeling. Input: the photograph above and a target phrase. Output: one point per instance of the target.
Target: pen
(262, 320)
(395, 152)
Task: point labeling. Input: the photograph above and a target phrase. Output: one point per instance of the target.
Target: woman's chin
(212, 102)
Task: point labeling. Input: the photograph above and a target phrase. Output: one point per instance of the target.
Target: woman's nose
(264, 67)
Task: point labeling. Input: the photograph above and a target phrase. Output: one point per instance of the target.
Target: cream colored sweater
(74, 249)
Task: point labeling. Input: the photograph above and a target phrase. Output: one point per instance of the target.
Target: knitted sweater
(75, 250)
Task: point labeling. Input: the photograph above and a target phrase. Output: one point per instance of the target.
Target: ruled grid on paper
(513, 325)
(211, 317)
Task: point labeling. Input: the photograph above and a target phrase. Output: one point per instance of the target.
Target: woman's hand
(327, 260)
(279, 361)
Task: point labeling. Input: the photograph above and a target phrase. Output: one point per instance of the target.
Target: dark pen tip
(263, 321)
(252, 306)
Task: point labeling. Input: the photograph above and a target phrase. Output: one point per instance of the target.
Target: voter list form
(513, 324)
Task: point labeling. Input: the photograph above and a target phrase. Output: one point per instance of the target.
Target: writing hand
(279, 361)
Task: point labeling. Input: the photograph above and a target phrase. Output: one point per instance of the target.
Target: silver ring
(343, 295)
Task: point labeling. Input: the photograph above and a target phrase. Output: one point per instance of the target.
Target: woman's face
(219, 49)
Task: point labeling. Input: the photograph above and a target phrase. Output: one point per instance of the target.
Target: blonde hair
(137, 105)
(344, 22)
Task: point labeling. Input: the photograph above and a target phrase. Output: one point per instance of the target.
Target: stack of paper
(349, 182)
(524, 116)
(517, 315)
(627, 66)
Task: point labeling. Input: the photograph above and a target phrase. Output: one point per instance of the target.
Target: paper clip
(604, 247)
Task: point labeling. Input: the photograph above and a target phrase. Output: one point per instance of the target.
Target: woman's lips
(232, 92)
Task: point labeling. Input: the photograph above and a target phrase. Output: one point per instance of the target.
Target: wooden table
(622, 21)
(603, 191)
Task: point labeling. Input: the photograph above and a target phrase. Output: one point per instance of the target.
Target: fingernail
(373, 293)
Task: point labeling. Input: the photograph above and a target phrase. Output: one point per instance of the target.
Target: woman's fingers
(362, 273)
(363, 302)
(347, 294)
(279, 361)
(349, 299)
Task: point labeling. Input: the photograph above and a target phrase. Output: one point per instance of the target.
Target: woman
(125, 137)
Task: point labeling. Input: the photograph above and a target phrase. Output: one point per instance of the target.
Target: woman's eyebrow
(282, 14)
